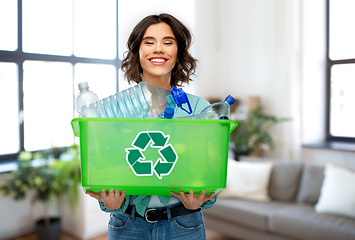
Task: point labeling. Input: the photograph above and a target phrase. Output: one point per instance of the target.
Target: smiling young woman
(158, 53)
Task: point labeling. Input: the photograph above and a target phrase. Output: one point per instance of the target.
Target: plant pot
(236, 155)
(50, 231)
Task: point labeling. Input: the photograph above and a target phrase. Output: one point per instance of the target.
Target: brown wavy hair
(185, 66)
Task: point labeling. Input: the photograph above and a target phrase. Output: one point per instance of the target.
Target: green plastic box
(153, 156)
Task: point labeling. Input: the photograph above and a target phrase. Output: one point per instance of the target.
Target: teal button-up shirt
(141, 201)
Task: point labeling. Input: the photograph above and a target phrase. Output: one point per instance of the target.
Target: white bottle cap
(83, 85)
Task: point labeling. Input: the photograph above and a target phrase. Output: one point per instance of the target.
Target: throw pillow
(338, 192)
(247, 180)
(310, 185)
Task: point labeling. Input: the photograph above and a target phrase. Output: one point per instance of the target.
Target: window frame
(329, 64)
(19, 57)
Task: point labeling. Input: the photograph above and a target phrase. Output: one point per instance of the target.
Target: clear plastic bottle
(220, 110)
(200, 116)
(85, 98)
(144, 100)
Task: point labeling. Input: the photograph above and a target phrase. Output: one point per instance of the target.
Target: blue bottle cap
(230, 99)
(224, 117)
(180, 98)
(169, 112)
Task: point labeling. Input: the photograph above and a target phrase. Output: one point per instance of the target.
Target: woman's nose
(158, 48)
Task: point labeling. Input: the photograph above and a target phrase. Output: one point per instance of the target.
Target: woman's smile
(158, 61)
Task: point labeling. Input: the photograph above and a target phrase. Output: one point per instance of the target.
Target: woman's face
(158, 52)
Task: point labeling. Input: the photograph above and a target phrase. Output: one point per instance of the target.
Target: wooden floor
(211, 235)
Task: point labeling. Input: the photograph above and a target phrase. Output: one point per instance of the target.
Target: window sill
(8, 166)
(333, 145)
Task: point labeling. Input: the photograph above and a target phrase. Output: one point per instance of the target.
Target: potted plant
(252, 134)
(48, 178)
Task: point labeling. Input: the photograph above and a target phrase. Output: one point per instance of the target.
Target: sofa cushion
(302, 222)
(252, 214)
(247, 180)
(284, 181)
(338, 192)
(310, 184)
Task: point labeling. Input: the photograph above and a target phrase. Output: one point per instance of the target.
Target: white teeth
(157, 60)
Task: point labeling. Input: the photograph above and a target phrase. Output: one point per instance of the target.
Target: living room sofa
(289, 210)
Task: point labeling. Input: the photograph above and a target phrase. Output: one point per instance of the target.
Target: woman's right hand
(113, 199)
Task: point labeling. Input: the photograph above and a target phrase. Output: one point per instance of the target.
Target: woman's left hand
(193, 201)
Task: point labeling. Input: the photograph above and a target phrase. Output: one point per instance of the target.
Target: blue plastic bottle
(144, 100)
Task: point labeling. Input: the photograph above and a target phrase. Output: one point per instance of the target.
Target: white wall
(230, 47)
(313, 65)
(248, 48)
(274, 49)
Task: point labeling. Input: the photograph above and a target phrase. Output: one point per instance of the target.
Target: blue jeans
(127, 226)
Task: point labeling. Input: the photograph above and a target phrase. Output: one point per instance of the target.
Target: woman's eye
(168, 43)
(148, 43)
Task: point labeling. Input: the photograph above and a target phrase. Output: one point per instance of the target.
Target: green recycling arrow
(136, 160)
(168, 153)
(159, 140)
(133, 155)
(142, 167)
(142, 140)
(162, 168)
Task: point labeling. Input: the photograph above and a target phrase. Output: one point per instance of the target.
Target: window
(341, 71)
(46, 49)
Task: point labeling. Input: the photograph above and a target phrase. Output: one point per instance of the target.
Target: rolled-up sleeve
(208, 204)
(121, 210)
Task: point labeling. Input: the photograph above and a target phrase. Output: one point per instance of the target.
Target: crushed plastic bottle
(144, 100)
(85, 98)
